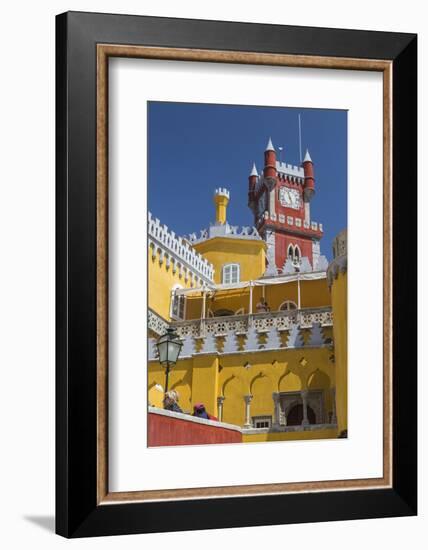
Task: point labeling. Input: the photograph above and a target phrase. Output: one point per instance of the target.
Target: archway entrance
(295, 415)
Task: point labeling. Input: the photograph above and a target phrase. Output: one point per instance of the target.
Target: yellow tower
(221, 200)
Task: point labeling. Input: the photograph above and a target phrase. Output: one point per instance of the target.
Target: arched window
(288, 305)
(178, 304)
(294, 254)
(230, 274)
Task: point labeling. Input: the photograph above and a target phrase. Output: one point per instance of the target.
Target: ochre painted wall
(249, 254)
(161, 281)
(339, 298)
(205, 377)
(289, 436)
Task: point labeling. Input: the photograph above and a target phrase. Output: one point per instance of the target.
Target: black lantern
(169, 347)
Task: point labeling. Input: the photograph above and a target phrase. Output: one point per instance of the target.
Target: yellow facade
(249, 366)
(162, 279)
(221, 251)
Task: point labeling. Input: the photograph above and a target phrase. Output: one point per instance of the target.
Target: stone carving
(230, 343)
(240, 324)
(189, 347)
(295, 339)
(210, 344)
(252, 342)
(156, 323)
(316, 336)
(152, 349)
(305, 265)
(273, 339)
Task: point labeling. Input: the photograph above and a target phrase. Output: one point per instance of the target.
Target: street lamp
(169, 347)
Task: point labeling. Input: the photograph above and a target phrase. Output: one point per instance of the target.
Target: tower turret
(309, 185)
(269, 170)
(221, 200)
(252, 180)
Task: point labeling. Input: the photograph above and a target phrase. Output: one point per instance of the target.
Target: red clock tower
(280, 200)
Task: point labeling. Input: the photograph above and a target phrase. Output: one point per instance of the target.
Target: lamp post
(169, 347)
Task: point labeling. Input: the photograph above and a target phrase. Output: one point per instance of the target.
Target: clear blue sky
(194, 148)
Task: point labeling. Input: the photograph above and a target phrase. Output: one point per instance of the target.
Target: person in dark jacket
(170, 401)
(200, 411)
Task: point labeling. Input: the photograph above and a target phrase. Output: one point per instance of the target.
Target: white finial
(254, 170)
(307, 157)
(270, 146)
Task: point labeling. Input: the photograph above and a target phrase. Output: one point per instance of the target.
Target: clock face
(262, 203)
(289, 198)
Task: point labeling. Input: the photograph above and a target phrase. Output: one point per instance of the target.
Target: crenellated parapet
(224, 230)
(291, 172)
(178, 254)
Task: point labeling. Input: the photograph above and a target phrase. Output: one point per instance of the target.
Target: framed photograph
(236, 274)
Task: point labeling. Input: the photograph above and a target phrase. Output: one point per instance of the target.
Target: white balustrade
(262, 322)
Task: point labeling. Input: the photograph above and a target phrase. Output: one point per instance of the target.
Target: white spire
(254, 170)
(307, 157)
(270, 146)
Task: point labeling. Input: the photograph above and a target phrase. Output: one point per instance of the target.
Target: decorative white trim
(165, 242)
(156, 323)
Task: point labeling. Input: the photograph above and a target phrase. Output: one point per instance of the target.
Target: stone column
(333, 400)
(220, 401)
(304, 394)
(247, 399)
(277, 410)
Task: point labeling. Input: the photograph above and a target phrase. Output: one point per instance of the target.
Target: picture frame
(84, 44)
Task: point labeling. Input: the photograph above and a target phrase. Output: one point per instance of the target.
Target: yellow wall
(249, 254)
(339, 300)
(161, 281)
(290, 436)
(205, 377)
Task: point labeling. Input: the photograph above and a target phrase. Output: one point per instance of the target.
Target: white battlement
(224, 230)
(290, 170)
(175, 249)
(222, 191)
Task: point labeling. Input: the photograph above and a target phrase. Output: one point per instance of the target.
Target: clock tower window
(294, 254)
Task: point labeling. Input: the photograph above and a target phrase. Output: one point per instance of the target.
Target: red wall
(281, 246)
(166, 430)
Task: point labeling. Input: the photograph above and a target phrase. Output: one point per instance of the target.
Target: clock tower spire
(280, 201)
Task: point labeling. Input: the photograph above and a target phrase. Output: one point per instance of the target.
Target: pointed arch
(318, 380)
(262, 387)
(289, 382)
